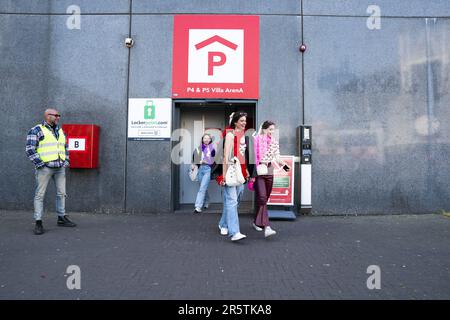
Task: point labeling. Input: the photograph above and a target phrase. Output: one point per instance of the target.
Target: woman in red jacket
(235, 144)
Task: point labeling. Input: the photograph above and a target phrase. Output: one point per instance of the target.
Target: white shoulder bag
(234, 176)
(193, 172)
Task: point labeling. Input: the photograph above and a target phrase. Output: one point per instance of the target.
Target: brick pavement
(182, 256)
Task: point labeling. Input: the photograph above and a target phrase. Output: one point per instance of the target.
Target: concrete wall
(81, 72)
(371, 96)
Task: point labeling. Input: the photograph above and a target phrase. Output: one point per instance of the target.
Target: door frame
(176, 123)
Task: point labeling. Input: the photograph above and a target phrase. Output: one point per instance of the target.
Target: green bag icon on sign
(149, 110)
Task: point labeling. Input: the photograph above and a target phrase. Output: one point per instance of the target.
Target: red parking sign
(215, 56)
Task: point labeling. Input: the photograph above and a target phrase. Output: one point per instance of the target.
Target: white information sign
(149, 119)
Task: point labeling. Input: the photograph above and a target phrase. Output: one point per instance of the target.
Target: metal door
(196, 122)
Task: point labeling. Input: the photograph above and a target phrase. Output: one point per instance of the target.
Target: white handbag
(193, 172)
(234, 176)
(262, 170)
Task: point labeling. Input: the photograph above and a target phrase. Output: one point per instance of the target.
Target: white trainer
(223, 231)
(238, 236)
(257, 228)
(197, 210)
(268, 231)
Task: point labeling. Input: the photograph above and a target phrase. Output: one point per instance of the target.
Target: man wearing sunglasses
(47, 149)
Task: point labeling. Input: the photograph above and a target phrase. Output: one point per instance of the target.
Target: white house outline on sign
(216, 56)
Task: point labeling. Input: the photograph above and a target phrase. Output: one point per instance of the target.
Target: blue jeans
(43, 176)
(204, 176)
(231, 199)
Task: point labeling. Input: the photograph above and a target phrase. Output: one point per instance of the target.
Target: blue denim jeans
(231, 199)
(204, 176)
(43, 176)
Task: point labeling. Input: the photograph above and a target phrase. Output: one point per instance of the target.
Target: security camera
(129, 42)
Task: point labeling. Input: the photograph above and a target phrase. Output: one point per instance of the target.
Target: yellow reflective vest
(49, 148)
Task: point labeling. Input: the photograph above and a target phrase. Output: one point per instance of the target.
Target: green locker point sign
(149, 110)
(149, 118)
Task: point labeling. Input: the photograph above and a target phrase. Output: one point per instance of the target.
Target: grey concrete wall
(61, 6)
(282, 7)
(23, 92)
(389, 8)
(87, 81)
(149, 165)
(371, 96)
(82, 73)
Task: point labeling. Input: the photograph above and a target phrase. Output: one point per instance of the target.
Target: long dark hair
(235, 116)
(210, 138)
(266, 124)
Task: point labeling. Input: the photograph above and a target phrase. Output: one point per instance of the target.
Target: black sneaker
(38, 228)
(65, 222)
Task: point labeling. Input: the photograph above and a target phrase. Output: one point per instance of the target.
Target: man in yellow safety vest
(47, 149)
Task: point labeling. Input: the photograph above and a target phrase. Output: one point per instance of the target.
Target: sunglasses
(55, 115)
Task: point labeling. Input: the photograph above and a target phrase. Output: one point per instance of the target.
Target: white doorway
(196, 118)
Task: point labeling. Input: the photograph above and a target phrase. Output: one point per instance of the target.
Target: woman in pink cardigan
(267, 151)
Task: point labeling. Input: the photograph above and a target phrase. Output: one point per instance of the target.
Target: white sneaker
(238, 236)
(223, 231)
(257, 228)
(268, 231)
(197, 210)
